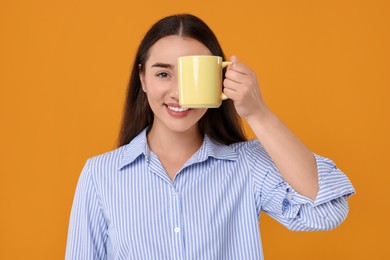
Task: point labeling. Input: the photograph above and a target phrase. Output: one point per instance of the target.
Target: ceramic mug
(200, 81)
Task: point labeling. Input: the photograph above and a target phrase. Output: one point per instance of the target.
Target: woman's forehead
(169, 48)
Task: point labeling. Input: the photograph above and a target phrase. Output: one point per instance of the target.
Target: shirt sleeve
(87, 225)
(295, 211)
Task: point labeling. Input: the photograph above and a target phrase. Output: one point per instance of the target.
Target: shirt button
(177, 229)
(174, 193)
(285, 205)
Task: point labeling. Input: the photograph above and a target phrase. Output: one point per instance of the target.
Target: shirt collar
(137, 147)
(209, 148)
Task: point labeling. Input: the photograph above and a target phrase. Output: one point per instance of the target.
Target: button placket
(176, 225)
(176, 211)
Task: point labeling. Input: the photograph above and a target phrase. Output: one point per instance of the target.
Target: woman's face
(160, 83)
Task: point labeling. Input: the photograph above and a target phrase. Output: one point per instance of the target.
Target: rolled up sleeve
(299, 213)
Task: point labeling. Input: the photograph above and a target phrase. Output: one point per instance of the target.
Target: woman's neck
(162, 140)
(172, 148)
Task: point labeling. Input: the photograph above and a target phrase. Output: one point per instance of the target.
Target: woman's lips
(177, 111)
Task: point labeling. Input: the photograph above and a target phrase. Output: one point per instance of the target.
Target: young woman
(185, 183)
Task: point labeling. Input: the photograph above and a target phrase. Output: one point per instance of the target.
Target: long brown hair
(222, 124)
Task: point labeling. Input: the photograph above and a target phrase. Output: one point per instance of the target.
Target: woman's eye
(162, 75)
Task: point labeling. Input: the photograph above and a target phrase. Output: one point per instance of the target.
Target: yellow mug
(200, 81)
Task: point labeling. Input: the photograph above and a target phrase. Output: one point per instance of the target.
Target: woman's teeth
(178, 109)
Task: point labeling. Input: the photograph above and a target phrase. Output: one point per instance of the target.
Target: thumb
(233, 58)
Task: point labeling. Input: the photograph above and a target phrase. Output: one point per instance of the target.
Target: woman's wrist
(261, 118)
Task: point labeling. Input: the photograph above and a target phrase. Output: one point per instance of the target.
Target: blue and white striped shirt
(126, 207)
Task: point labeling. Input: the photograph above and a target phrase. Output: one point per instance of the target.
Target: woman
(185, 183)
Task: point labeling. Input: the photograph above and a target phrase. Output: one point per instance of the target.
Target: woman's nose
(174, 90)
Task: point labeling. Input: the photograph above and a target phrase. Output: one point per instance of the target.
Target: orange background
(323, 67)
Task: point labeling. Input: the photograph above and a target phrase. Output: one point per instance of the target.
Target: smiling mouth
(178, 109)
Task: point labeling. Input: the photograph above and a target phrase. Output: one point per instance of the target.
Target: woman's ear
(142, 77)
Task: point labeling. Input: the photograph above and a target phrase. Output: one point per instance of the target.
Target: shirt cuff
(333, 184)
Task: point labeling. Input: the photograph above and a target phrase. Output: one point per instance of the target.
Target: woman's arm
(87, 226)
(295, 162)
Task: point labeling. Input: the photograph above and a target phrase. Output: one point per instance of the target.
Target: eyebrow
(163, 65)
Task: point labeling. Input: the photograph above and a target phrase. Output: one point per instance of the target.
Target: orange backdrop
(323, 67)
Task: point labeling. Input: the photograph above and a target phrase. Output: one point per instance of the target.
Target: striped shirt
(126, 207)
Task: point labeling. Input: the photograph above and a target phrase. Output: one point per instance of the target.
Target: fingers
(238, 78)
(230, 93)
(230, 84)
(238, 66)
(240, 85)
(238, 73)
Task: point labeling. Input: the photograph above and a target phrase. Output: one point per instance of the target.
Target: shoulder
(103, 169)
(253, 152)
(108, 159)
(98, 170)
(248, 147)
(115, 159)
(99, 167)
(246, 144)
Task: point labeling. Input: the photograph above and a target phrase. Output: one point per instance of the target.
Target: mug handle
(224, 65)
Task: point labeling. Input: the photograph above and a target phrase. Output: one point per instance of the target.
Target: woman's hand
(241, 86)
